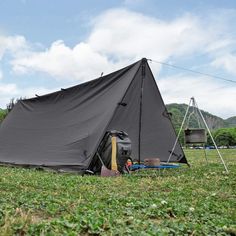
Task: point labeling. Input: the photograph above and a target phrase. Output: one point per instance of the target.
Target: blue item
(141, 166)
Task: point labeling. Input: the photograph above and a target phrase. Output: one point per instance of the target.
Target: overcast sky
(46, 45)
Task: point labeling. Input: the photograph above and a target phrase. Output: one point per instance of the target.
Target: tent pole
(205, 154)
(208, 130)
(181, 127)
(143, 71)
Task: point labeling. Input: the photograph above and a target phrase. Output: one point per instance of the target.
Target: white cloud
(12, 44)
(227, 61)
(221, 44)
(211, 95)
(125, 34)
(117, 37)
(11, 90)
(62, 62)
(7, 91)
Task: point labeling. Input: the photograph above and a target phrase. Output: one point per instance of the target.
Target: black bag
(122, 152)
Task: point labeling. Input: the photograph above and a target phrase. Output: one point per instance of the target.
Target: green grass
(200, 200)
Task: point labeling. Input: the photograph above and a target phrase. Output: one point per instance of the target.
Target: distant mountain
(194, 121)
(231, 121)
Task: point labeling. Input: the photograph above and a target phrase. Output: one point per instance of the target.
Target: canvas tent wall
(62, 130)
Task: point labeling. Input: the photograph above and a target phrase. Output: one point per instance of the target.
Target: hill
(214, 122)
(231, 121)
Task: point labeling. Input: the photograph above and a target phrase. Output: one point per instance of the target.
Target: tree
(3, 114)
(9, 107)
(225, 137)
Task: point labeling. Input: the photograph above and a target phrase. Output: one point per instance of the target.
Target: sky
(48, 45)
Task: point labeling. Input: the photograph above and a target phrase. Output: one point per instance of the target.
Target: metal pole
(181, 127)
(205, 154)
(208, 130)
(143, 68)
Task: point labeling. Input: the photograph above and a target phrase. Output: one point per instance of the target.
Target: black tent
(63, 130)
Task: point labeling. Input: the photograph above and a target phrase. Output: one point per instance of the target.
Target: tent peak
(144, 59)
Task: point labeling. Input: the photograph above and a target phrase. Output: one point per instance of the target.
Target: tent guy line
(192, 71)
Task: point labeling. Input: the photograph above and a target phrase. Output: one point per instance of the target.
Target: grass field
(200, 200)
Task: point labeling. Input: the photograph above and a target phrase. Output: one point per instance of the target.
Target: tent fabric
(63, 130)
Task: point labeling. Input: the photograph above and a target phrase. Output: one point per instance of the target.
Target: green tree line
(224, 137)
(3, 114)
(9, 107)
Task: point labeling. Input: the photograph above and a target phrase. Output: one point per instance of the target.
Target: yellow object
(113, 154)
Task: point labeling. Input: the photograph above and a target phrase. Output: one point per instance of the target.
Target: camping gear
(119, 147)
(105, 172)
(152, 162)
(196, 135)
(162, 166)
(193, 136)
(113, 152)
(63, 130)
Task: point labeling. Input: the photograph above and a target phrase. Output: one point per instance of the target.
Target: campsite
(40, 196)
(117, 118)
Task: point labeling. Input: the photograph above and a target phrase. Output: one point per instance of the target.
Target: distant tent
(63, 130)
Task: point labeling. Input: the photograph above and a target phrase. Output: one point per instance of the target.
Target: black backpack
(114, 151)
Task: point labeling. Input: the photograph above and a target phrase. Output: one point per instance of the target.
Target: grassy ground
(200, 200)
